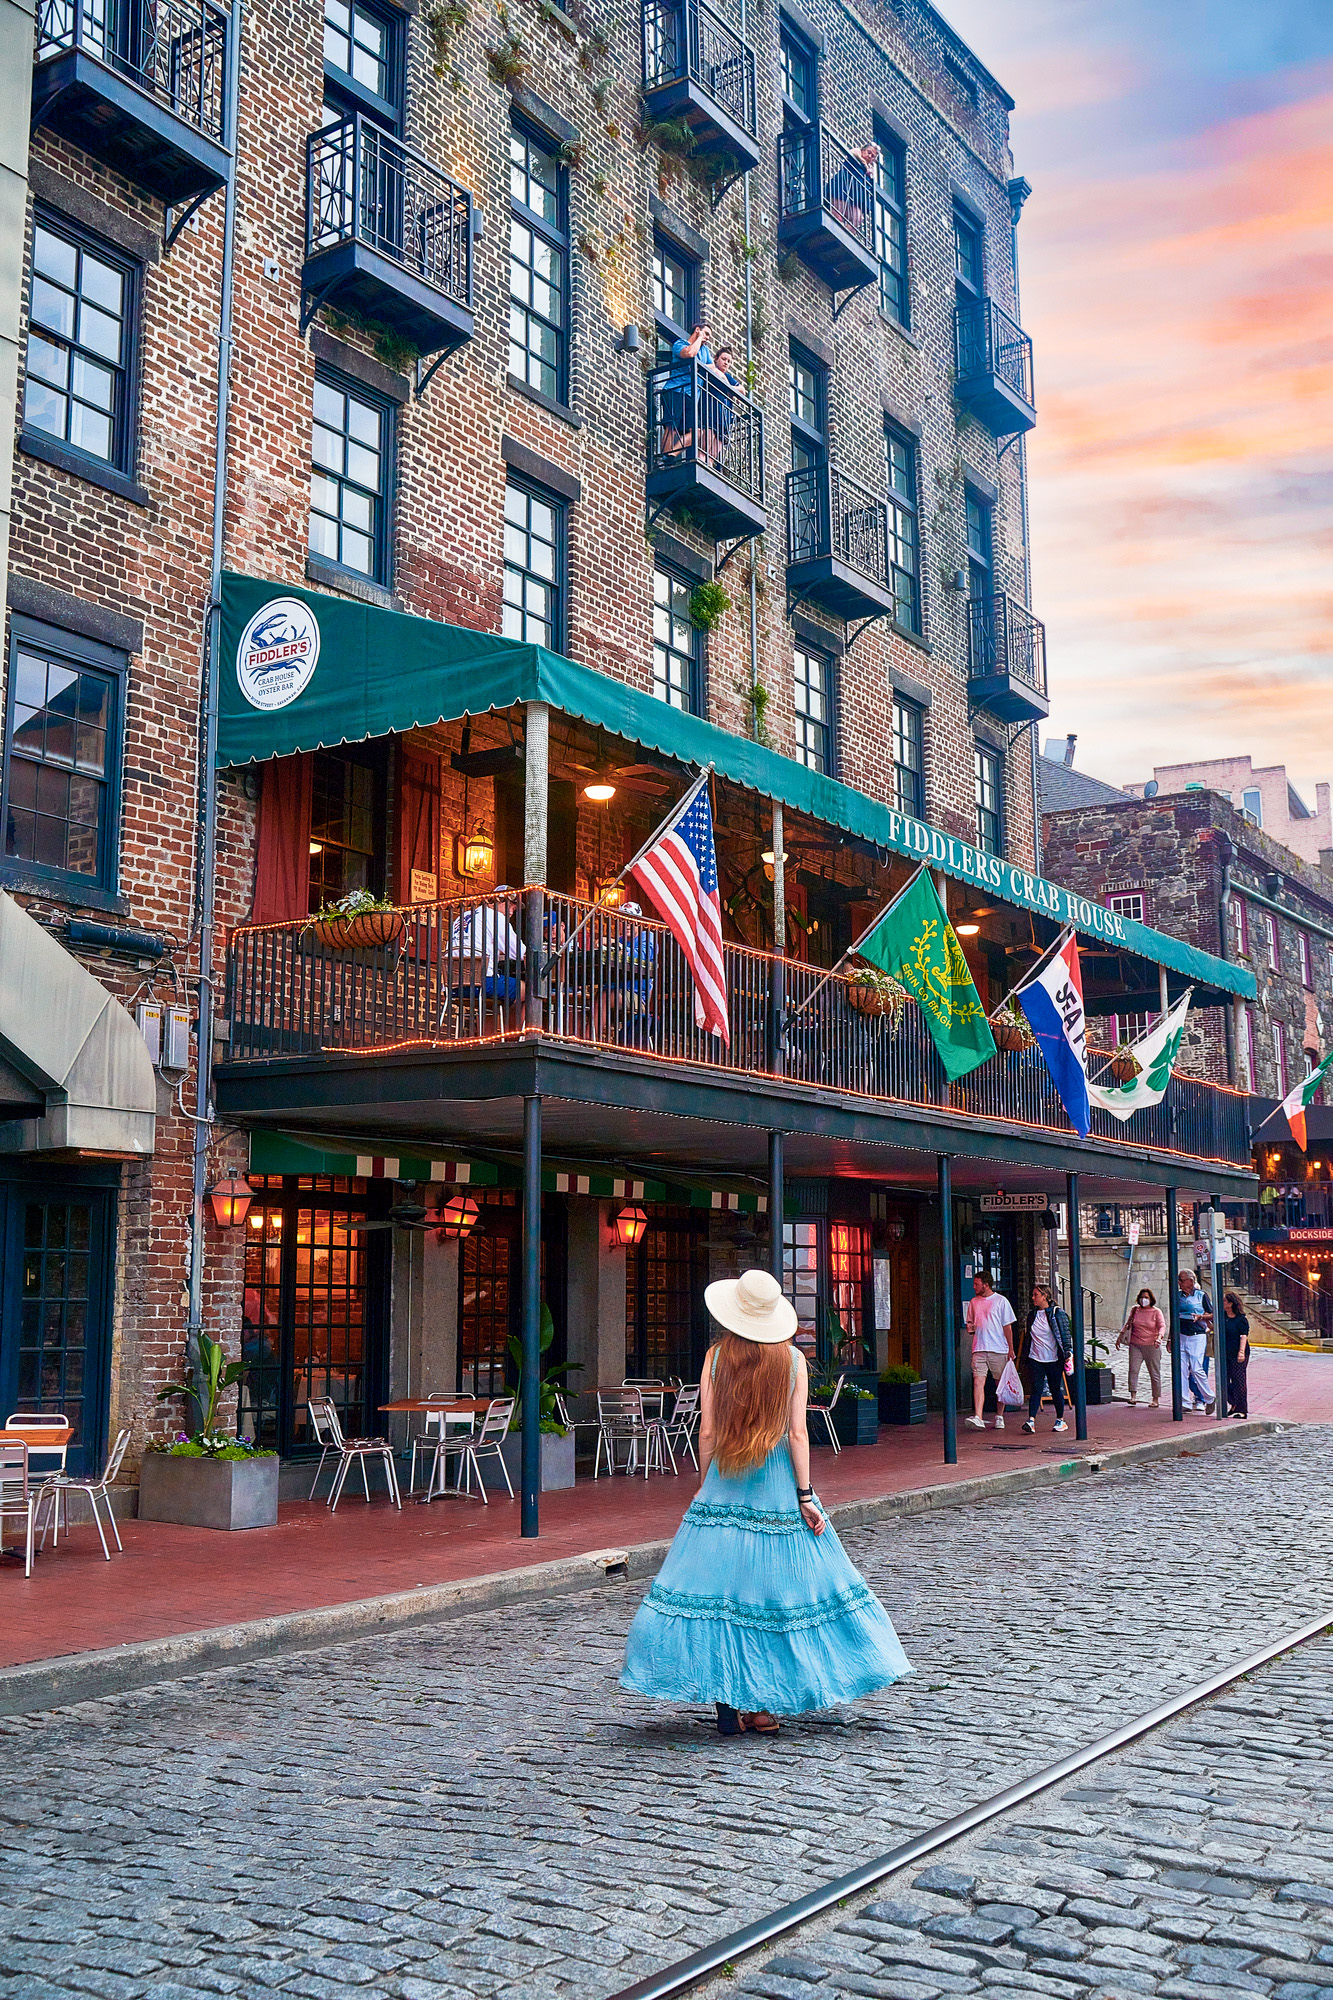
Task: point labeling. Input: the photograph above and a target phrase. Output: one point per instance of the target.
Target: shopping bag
(1009, 1389)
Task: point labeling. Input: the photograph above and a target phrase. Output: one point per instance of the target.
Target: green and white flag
(1156, 1052)
(1293, 1105)
(914, 942)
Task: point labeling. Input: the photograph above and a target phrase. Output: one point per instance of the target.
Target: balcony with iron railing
(1006, 659)
(696, 67)
(705, 450)
(387, 235)
(993, 366)
(837, 544)
(140, 86)
(461, 975)
(826, 208)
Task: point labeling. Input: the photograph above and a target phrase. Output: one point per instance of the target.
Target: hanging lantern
(459, 1216)
(473, 852)
(896, 1228)
(631, 1225)
(609, 892)
(231, 1200)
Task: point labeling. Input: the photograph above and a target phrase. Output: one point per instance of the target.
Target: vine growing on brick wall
(445, 21)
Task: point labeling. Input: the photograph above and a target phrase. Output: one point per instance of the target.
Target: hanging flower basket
(1011, 1032)
(362, 932)
(875, 993)
(1125, 1066)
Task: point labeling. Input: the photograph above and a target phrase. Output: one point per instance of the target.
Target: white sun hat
(752, 1306)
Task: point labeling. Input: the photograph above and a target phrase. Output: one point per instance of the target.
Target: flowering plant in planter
(872, 991)
(359, 919)
(1009, 1026)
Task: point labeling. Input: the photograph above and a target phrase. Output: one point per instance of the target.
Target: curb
(75, 1677)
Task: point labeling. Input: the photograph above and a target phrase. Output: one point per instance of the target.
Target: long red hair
(752, 1383)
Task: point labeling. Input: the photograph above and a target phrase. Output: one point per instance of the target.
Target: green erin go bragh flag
(914, 943)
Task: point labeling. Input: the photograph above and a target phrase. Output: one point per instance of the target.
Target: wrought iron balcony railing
(817, 172)
(696, 418)
(1003, 637)
(459, 973)
(365, 186)
(988, 342)
(829, 514)
(175, 51)
(686, 39)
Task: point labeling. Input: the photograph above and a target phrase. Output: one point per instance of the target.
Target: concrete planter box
(209, 1492)
(557, 1463)
(902, 1403)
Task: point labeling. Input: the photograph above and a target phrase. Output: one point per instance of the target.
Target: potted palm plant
(902, 1395)
(557, 1444)
(207, 1479)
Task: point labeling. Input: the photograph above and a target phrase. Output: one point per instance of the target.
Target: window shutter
(282, 872)
(417, 869)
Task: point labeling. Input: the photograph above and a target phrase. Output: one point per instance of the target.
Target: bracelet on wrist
(805, 1493)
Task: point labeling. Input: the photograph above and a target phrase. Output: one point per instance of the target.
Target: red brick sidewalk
(175, 1580)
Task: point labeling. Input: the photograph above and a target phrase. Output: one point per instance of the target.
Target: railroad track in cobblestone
(723, 1953)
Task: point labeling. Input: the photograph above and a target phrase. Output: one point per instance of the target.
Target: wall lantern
(610, 892)
(231, 1199)
(895, 1229)
(473, 852)
(459, 1216)
(631, 1225)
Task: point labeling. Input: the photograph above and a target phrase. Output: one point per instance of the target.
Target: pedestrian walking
(1236, 1328)
(757, 1608)
(1143, 1334)
(1195, 1314)
(989, 1320)
(1046, 1346)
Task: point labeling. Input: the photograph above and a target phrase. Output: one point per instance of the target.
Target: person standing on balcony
(1236, 1329)
(757, 1608)
(990, 1318)
(1046, 1346)
(678, 390)
(1195, 1312)
(1143, 1334)
(720, 417)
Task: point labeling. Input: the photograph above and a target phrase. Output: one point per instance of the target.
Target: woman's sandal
(760, 1723)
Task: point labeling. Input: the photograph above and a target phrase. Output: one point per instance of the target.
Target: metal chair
(54, 1491)
(52, 1434)
(18, 1499)
(621, 1420)
(351, 1451)
(652, 1393)
(488, 1440)
(825, 1410)
(571, 1423)
(423, 1442)
(678, 1432)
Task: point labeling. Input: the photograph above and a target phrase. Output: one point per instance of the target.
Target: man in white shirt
(990, 1318)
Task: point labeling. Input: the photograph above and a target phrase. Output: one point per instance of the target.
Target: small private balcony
(387, 235)
(993, 359)
(141, 87)
(697, 68)
(1006, 659)
(837, 545)
(826, 209)
(705, 451)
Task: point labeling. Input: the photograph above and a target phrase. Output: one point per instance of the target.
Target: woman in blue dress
(757, 1608)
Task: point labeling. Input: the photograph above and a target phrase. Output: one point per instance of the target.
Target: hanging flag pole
(1294, 1104)
(677, 812)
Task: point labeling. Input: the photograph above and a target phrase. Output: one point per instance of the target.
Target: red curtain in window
(282, 873)
(417, 871)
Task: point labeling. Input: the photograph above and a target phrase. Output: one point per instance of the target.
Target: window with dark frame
(65, 706)
(967, 255)
(980, 544)
(1129, 903)
(796, 66)
(909, 780)
(351, 452)
(347, 843)
(891, 225)
(534, 579)
(1307, 962)
(675, 291)
(81, 331)
(813, 702)
(677, 662)
(538, 265)
(904, 532)
(989, 771)
(363, 68)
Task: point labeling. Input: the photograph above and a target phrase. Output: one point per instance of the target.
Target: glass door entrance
(54, 1323)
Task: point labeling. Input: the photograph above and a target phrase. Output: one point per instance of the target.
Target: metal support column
(1173, 1305)
(1076, 1307)
(531, 1304)
(948, 1330)
(1220, 1382)
(775, 1204)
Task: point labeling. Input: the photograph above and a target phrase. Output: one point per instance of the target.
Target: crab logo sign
(278, 653)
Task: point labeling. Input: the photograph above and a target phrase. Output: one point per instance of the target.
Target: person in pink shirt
(990, 1321)
(1143, 1334)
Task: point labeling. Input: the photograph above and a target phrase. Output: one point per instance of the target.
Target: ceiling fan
(407, 1215)
(605, 777)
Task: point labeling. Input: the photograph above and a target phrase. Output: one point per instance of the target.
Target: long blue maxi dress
(751, 1609)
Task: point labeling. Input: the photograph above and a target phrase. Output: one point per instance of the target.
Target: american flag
(678, 873)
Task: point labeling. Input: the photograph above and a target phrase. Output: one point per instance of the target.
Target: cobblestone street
(475, 1808)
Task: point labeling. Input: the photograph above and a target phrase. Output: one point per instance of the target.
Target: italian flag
(1295, 1101)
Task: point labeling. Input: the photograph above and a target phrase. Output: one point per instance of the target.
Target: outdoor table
(469, 1407)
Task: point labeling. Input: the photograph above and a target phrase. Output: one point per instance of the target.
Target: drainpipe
(749, 363)
(203, 1114)
(1019, 190)
(1230, 1023)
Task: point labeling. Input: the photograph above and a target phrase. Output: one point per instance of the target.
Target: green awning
(304, 671)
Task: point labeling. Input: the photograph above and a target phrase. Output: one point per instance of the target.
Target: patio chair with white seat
(54, 1491)
(470, 1449)
(46, 1436)
(825, 1410)
(681, 1425)
(350, 1451)
(18, 1495)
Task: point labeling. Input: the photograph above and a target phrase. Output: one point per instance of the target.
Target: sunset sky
(1176, 260)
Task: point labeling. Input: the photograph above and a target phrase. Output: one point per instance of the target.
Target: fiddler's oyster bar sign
(278, 653)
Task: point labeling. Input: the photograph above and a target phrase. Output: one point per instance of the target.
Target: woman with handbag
(756, 1608)
(1236, 1327)
(1046, 1346)
(1143, 1334)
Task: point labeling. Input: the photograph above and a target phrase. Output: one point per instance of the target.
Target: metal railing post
(530, 1470)
(948, 1331)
